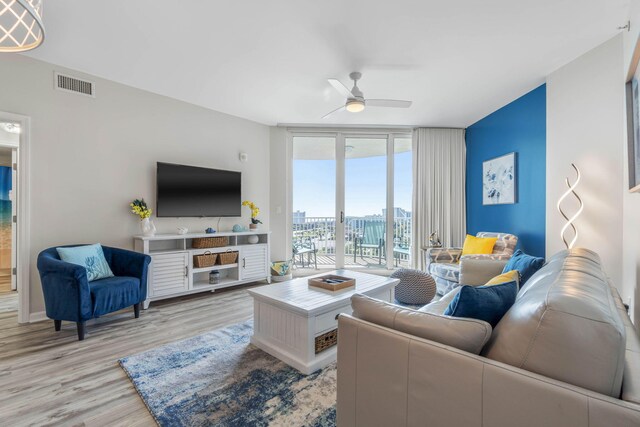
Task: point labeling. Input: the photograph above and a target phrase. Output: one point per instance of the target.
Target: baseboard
(38, 317)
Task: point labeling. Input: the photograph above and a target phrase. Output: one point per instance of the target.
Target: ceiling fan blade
(340, 108)
(395, 103)
(342, 89)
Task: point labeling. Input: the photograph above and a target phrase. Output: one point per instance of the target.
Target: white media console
(172, 273)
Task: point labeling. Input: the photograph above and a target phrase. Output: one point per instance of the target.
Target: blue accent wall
(520, 126)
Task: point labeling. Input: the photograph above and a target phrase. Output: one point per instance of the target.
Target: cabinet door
(170, 274)
(253, 262)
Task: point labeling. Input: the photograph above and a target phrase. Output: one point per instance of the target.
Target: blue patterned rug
(219, 379)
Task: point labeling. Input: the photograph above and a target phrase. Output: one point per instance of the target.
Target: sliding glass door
(365, 201)
(314, 201)
(402, 200)
(351, 203)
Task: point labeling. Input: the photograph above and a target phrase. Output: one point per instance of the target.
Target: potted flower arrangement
(139, 207)
(255, 211)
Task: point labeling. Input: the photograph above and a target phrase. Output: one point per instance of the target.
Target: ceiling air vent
(74, 85)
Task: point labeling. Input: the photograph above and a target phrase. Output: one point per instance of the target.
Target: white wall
(630, 37)
(585, 126)
(5, 153)
(8, 138)
(91, 157)
(280, 196)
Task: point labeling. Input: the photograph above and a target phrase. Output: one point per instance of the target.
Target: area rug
(219, 379)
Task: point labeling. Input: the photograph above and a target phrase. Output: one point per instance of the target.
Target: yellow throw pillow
(509, 276)
(478, 245)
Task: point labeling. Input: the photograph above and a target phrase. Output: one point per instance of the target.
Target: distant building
(398, 213)
(299, 217)
(374, 217)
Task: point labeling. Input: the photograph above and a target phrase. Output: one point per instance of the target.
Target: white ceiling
(268, 61)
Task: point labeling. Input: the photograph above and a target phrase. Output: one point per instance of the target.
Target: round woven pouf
(415, 287)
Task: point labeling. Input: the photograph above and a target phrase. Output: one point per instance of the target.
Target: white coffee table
(289, 316)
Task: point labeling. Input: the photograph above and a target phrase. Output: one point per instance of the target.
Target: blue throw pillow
(90, 257)
(488, 303)
(527, 265)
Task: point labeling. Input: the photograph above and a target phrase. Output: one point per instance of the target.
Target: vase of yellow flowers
(139, 207)
(255, 211)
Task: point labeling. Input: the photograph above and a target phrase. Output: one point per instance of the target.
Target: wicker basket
(326, 340)
(209, 242)
(227, 258)
(206, 259)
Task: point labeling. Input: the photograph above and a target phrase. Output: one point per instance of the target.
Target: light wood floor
(8, 302)
(50, 378)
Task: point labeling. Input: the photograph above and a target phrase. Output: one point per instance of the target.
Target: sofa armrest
(129, 263)
(66, 289)
(443, 255)
(476, 272)
(386, 377)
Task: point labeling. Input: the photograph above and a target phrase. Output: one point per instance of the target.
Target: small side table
(425, 251)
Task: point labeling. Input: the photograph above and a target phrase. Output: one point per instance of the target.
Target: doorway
(351, 200)
(9, 143)
(14, 217)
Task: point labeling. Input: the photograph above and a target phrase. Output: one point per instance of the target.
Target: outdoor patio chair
(302, 246)
(400, 252)
(372, 238)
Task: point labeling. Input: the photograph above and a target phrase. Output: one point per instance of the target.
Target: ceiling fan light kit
(21, 27)
(356, 101)
(354, 105)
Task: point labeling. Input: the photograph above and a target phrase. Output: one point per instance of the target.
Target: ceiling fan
(355, 98)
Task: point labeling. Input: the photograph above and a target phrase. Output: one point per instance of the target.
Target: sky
(314, 183)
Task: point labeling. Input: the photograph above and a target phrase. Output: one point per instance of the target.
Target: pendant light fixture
(21, 25)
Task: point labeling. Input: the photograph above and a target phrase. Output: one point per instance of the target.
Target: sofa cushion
(90, 257)
(445, 271)
(565, 325)
(631, 377)
(440, 306)
(527, 265)
(465, 334)
(478, 245)
(505, 244)
(114, 293)
(488, 303)
(509, 276)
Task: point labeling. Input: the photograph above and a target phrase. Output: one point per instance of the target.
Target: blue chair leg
(81, 330)
(136, 310)
(57, 324)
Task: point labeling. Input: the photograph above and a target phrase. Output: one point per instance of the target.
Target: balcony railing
(322, 232)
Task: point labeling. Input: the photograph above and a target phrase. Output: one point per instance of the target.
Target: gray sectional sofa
(565, 354)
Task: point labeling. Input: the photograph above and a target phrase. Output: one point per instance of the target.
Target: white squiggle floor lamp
(570, 221)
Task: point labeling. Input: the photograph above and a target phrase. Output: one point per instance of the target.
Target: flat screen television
(189, 191)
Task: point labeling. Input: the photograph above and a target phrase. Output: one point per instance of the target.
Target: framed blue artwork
(499, 180)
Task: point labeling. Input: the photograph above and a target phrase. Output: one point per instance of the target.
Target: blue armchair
(68, 295)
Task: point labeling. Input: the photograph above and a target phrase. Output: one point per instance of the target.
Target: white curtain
(438, 189)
